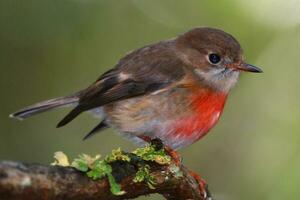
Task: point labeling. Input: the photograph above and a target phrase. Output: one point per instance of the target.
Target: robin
(174, 90)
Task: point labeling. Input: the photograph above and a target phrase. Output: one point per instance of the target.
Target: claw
(203, 187)
(174, 155)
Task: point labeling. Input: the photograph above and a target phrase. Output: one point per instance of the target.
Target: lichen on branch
(97, 168)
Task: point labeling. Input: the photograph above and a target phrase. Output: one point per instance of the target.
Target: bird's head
(214, 56)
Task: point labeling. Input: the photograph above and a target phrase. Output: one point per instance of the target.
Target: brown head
(215, 56)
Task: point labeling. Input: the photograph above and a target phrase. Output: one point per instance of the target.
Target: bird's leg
(203, 187)
(174, 155)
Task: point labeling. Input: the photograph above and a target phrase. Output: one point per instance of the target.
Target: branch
(19, 181)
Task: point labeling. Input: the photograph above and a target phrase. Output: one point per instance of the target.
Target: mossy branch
(119, 176)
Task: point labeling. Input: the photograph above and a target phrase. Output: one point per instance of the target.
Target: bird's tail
(45, 106)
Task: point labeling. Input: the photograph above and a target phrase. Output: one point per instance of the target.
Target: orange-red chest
(207, 108)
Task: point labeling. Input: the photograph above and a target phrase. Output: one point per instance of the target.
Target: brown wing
(141, 72)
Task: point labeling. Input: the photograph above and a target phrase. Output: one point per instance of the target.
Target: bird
(174, 90)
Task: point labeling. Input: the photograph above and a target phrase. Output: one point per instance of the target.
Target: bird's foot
(203, 187)
(174, 155)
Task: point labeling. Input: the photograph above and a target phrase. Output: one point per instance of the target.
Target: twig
(19, 181)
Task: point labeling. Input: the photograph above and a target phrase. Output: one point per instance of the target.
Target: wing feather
(144, 72)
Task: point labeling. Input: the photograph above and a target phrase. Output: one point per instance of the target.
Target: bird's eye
(214, 58)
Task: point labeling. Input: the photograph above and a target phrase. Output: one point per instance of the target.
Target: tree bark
(20, 181)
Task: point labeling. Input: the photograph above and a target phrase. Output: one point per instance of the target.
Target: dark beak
(249, 68)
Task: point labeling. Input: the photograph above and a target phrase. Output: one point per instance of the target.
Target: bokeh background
(52, 48)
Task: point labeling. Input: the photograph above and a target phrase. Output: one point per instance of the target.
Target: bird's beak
(249, 68)
(245, 67)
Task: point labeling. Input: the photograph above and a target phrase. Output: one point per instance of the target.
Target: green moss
(103, 169)
(117, 154)
(97, 168)
(85, 162)
(149, 153)
(143, 175)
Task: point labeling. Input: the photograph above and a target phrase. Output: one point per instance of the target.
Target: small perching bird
(174, 90)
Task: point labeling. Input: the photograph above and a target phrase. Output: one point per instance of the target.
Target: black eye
(214, 58)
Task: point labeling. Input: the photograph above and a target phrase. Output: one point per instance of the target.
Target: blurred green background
(53, 48)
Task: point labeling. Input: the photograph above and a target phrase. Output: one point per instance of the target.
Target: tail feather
(69, 117)
(101, 126)
(44, 106)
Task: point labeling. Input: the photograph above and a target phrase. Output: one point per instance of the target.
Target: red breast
(207, 106)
